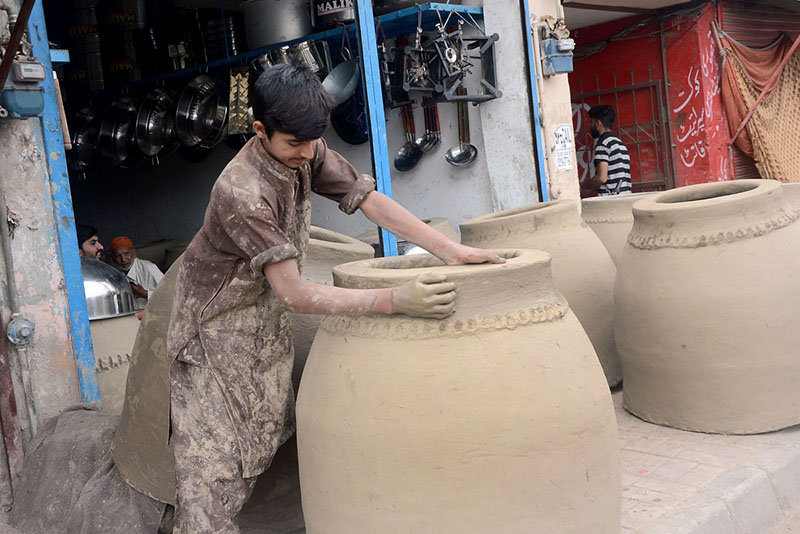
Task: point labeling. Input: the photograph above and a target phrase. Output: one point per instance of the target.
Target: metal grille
(640, 125)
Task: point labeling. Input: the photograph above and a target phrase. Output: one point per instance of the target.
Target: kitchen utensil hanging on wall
(430, 139)
(202, 112)
(155, 123)
(276, 21)
(409, 155)
(464, 153)
(349, 120)
(85, 127)
(342, 81)
(117, 139)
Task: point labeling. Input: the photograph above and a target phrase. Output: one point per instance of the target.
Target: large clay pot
(497, 419)
(611, 218)
(706, 306)
(113, 340)
(141, 448)
(582, 269)
(792, 193)
(326, 250)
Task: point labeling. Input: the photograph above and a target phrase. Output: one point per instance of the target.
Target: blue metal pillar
(64, 216)
(536, 118)
(371, 80)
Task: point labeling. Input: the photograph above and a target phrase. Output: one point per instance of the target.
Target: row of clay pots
(611, 217)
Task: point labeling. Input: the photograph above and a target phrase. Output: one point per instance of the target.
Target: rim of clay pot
(611, 208)
(322, 237)
(523, 279)
(702, 197)
(709, 214)
(562, 212)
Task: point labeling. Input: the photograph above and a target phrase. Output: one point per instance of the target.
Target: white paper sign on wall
(563, 147)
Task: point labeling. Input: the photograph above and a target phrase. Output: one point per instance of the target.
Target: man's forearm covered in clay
(427, 296)
(390, 215)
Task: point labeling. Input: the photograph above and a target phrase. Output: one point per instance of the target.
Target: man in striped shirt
(611, 160)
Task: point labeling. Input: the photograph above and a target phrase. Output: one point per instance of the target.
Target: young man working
(229, 338)
(611, 159)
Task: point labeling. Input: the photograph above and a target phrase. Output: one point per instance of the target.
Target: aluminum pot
(275, 21)
(85, 131)
(202, 113)
(330, 13)
(117, 139)
(108, 293)
(155, 123)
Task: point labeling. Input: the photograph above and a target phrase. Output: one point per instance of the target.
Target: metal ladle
(430, 139)
(408, 156)
(462, 154)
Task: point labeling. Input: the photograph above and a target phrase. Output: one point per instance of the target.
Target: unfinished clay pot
(611, 218)
(497, 419)
(113, 340)
(792, 193)
(140, 448)
(582, 269)
(706, 309)
(326, 250)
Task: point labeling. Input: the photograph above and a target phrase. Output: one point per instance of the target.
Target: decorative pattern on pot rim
(674, 210)
(384, 328)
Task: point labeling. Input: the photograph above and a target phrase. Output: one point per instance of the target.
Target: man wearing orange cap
(143, 275)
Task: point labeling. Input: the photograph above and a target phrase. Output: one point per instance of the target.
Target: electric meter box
(557, 56)
(23, 94)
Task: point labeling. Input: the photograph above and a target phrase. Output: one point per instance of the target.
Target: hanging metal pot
(155, 123)
(349, 120)
(342, 81)
(117, 139)
(275, 21)
(331, 13)
(202, 112)
(85, 130)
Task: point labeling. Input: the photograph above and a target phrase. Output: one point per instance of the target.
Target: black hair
(605, 114)
(290, 99)
(85, 233)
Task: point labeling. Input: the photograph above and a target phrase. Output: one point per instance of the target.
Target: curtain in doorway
(772, 136)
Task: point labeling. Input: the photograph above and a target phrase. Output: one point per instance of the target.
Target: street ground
(790, 523)
(673, 482)
(677, 482)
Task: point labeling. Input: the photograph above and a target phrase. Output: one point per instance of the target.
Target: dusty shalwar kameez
(229, 335)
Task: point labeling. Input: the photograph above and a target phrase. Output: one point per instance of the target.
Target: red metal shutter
(756, 28)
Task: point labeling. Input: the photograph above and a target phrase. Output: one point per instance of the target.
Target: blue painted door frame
(371, 80)
(64, 217)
